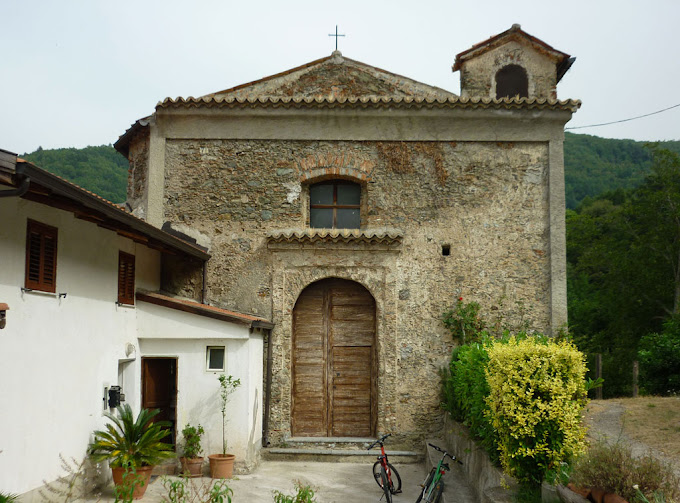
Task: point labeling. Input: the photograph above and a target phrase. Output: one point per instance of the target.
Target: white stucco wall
(58, 354)
(167, 332)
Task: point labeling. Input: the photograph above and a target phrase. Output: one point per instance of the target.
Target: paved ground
(335, 482)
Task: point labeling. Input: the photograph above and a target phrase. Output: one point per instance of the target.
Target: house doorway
(159, 390)
(334, 365)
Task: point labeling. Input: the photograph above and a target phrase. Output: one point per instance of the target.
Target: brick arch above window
(329, 165)
(330, 173)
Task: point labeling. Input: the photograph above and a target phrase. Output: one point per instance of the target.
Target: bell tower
(512, 64)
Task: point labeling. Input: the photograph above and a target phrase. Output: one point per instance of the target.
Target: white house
(82, 311)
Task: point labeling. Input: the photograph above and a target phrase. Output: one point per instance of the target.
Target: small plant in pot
(222, 465)
(192, 461)
(132, 446)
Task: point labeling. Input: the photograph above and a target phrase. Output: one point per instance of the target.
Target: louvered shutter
(41, 257)
(126, 278)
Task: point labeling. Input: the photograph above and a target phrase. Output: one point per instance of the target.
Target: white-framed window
(215, 358)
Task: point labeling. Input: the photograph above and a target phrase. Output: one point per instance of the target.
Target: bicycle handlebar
(453, 458)
(379, 441)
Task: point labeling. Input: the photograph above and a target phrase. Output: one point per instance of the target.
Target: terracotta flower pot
(140, 477)
(192, 466)
(221, 465)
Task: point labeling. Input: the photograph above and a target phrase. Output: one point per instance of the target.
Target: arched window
(512, 81)
(335, 204)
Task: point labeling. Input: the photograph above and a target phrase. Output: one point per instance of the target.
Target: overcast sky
(78, 72)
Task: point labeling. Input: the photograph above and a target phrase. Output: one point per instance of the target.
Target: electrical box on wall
(113, 396)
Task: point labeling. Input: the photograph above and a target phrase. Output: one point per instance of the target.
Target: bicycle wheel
(437, 493)
(385, 485)
(394, 478)
(426, 486)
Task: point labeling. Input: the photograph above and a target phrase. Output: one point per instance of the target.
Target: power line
(625, 120)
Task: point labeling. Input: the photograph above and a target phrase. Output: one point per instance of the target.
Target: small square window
(215, 358)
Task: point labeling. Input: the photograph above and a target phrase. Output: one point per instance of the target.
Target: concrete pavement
(333, 483)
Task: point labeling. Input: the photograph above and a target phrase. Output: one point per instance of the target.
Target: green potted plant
(192, 461)
(132, 446)
(222, 465)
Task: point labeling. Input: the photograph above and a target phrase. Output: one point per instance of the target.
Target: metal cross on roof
(336, 36)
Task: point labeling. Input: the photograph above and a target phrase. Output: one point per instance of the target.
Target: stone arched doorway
(333, 361)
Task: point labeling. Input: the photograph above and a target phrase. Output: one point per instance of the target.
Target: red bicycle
(385, 475)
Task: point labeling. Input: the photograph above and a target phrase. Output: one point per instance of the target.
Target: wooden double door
(334, 361)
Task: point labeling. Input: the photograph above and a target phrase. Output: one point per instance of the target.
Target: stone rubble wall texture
(478, 75)
(137, 184)
(487, 200)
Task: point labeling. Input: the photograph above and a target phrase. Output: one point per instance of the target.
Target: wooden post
(598, 375)
(636, 372)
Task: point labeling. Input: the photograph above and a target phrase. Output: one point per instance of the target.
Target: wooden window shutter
(41, 257)
(126, 278)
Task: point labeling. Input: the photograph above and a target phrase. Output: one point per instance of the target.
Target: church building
(350, 207)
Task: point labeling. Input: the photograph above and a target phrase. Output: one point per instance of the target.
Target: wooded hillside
(101, 170)
(595, 165)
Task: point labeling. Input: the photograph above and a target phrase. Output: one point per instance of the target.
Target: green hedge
(521, 396)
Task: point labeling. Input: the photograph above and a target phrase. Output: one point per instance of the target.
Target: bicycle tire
(394, 478)
(426, 485)
(385, 485)
(437, 493)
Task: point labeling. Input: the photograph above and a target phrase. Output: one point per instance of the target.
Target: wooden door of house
(159, 390)
(334, 361)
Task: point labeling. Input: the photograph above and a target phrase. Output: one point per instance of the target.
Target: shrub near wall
(465, 390)
(537, 392)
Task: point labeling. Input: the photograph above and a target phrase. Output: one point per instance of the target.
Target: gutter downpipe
(268, 391)
(203, 288)
(21, 190)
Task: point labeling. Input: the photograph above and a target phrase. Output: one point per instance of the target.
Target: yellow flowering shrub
(537, 392)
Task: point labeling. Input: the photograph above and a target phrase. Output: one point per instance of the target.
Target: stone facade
(458, 198)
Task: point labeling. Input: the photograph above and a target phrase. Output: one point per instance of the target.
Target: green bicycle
(433, 487)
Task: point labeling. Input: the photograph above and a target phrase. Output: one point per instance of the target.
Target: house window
(215, 358)
(126, 278)
(335, 205)
(511, 81)
(41, 257)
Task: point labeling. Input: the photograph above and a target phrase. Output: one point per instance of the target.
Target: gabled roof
(333, 77)
(513, 34)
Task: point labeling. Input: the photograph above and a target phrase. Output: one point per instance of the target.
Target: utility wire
(625, 120)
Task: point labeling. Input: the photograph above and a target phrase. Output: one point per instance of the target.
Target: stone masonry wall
(137, 174)
(487, 201)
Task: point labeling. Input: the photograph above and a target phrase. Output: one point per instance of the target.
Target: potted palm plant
(222, 465)
(192, 462)
(132, 446)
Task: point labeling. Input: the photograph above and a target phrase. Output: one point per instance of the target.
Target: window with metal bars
(41, 257)
(126, 278)
(335, 205)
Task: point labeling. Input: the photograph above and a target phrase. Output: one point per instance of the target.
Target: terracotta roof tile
(374, 102)
(385, 237)
(198, 308)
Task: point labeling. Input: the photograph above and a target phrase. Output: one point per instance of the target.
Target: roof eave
(122, 145)
(117, 217)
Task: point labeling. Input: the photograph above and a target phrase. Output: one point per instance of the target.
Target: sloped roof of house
(52, 190)
(190, 306)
